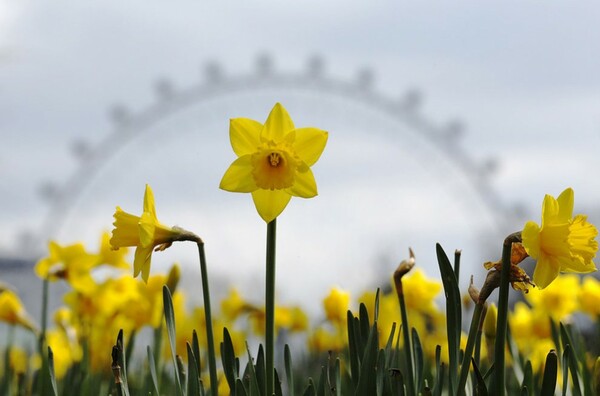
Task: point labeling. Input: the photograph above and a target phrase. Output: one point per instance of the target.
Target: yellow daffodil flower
(420, 292)
(144, 232)
(12, 310)
(273, 161)
(234, 305)
(110, 256)
(589, 297)
(562, 243)
(71, 263)
(336, 305)
(558, 300)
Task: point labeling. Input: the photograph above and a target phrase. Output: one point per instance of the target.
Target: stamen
(274, 159)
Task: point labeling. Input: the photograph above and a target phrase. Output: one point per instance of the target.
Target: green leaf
(353, 349)
(457, 254)
(418, 356)
(397, 382)
(170, 322)
(278, 390)
(381, 373)
(365, 327)
(453, 313)
(524, 391)
(322, 385)
(549, 379)
(565, 364)
(389, 346)
(228, 359)
(338, 377)
(438, 384)
(480, 387)
(366, 381)
(289, 374)
(196, 350)
(261, 372)
(51, 372)
(240, 389)
(571, 359)
(310, 389)
(193, 379)
(528, 377)
(253, 389)
(152, 367)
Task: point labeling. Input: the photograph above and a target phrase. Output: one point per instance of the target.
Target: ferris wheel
(385, 161)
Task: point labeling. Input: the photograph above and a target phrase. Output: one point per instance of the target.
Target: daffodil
(273, 161)
(336, 305)
(12, 310)
(144, 232)
(108, 255)
(71, 263)
(562, 243)
(589, 296)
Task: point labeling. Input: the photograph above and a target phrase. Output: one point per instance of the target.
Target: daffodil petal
(270, 203)
(565, 205)
(531, 239)
(238, 177)
(149, 201)
(309, 144)
(304, 186)
(141, 262)
(244, 135)
(278, 124)
(546, 270)
(549, 210)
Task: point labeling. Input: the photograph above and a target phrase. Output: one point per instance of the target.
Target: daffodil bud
(173, 278)
(403, 268)
(489, 323)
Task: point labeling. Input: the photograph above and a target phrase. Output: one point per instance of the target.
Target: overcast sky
(522, 77)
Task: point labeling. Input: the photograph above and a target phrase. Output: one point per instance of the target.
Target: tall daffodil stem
(270, 307)
(498, 384)
(44, 324)
(212, 361)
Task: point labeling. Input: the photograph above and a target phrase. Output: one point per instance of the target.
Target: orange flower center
(274, 166)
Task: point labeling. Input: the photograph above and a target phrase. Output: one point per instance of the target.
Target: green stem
(498, 383)
(44, 324)
(407, 347)
(466, 363)
(212, 361)
(270, 307)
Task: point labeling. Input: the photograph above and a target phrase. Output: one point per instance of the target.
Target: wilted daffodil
(562, 243)
(144, 232)
(273, 161)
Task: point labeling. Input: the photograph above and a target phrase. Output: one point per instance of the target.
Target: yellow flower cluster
(530, 320)
(423, 314)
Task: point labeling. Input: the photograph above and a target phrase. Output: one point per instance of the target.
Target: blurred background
(447, 123)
